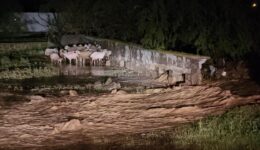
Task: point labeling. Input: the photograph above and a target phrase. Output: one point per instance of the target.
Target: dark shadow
(241, 87)
(253, 64)
(7, 101)
(110, 146)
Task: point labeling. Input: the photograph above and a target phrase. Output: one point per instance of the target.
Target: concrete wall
(148, 62)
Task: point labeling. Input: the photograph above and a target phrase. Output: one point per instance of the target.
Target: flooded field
(32, 72)
(46, 106)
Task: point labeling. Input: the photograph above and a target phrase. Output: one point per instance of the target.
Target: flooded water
(26, 74)
(33, 109)
(78, 78)
(29, 71)
(124, 76)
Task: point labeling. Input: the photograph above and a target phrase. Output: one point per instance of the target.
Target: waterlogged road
(54, 121)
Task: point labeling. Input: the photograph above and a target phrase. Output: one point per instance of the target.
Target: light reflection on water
(124, 76)
(72, 70)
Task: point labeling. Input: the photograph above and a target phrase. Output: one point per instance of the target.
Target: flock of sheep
(93, 54)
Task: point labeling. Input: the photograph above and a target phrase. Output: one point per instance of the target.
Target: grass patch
(237, 129)
(22, 59)
(27, 73)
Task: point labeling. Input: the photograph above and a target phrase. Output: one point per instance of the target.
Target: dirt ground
(48, 121)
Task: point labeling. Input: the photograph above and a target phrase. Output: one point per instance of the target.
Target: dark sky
(32, 5)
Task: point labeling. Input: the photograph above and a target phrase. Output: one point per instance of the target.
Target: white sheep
(70, 49)
(61, 52)
(93, 48)
(70, 56)
(83, 56)
(80, 47)
(55, 58)
(66, 47)
(108, 53)
(87, 46)
(97, 57)
(49, 51)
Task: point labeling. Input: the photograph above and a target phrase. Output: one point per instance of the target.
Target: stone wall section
(181, 67)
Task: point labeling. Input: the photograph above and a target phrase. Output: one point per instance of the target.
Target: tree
(153, 25)
(218, 28)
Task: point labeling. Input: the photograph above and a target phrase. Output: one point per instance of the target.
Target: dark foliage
(218, 28)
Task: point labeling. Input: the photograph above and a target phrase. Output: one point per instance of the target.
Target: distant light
(254, 5)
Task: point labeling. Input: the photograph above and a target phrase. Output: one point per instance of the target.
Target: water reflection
(72, 70)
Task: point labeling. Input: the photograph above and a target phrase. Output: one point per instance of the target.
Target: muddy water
(64, 77)
(103, 118)
(29, 123)
(78, 77)
(14, 92)
(67, 76)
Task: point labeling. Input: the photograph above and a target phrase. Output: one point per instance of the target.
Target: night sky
(31, 5)
(34, 5)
